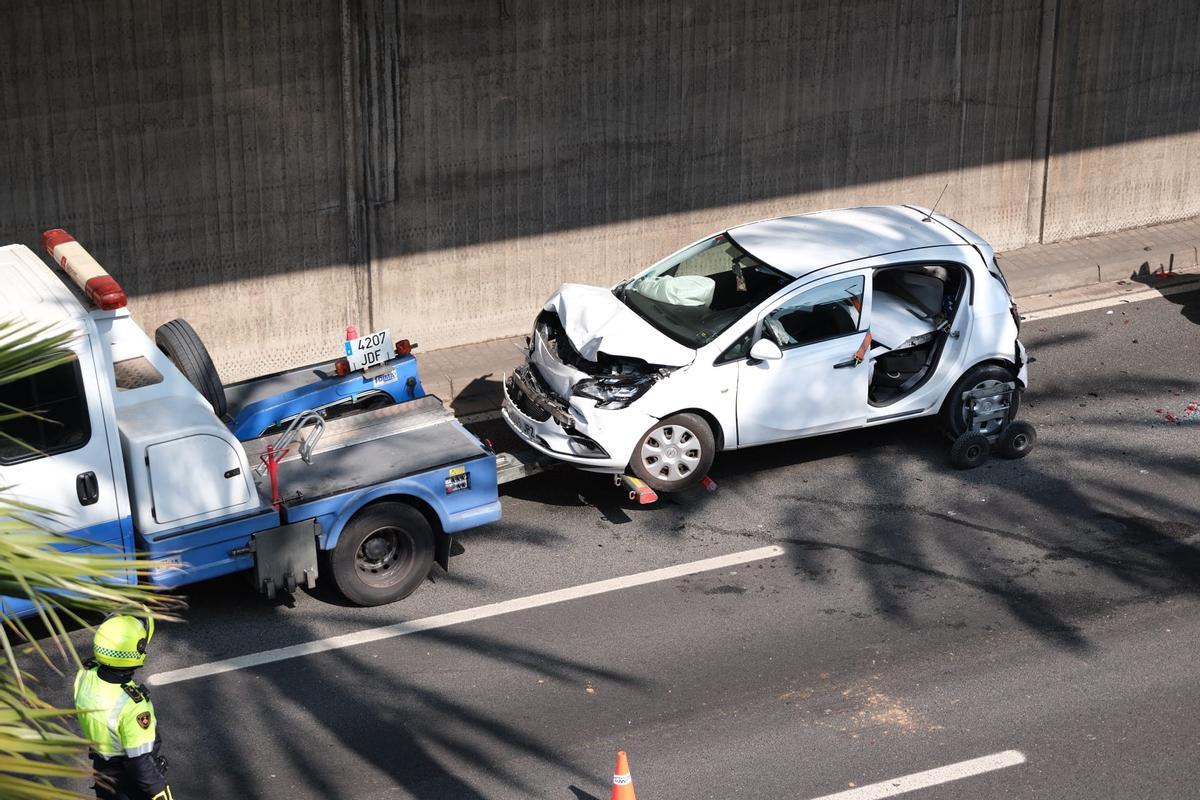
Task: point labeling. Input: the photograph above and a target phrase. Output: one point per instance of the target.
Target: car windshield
(698, 295)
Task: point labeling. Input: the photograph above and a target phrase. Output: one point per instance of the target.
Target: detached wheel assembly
(969, 450)
(1017, 440)
(956, 410)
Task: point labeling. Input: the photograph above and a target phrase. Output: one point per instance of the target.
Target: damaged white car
(775, 330)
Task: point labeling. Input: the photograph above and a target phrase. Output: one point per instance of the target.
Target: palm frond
(66, 585)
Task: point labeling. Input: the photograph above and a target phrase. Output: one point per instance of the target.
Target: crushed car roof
(803, 243)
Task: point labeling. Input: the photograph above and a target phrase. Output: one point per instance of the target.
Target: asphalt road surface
(914, 617)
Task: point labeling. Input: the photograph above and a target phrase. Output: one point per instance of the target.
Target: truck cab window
(55, 418)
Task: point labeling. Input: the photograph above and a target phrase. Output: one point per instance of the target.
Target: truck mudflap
(285, 557)
(443, 545)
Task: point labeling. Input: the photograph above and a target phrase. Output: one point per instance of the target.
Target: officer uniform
(118, 717)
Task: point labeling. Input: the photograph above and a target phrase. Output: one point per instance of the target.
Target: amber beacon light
(101, 288)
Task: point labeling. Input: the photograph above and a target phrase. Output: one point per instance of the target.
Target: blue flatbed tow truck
(139, 449)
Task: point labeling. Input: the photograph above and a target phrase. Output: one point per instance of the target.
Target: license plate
(370, 350)
(384, 379)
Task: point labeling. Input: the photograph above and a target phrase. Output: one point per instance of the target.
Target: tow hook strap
(862, 349)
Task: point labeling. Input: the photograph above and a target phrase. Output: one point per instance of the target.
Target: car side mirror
(766, 350)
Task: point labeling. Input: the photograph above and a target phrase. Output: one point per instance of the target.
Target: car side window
(55, 418)
(738, 350)
(830, 310)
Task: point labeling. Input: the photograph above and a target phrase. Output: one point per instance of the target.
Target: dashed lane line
(931, 777)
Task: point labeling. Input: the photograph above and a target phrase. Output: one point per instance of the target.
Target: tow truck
(350, 459)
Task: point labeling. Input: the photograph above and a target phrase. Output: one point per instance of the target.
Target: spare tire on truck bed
(183, 346)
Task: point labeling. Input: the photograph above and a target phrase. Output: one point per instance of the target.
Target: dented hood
(597, 322)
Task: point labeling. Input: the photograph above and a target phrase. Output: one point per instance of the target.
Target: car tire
(180, 342)
(675, 454)
(384, 553)
(969, 450)
(953, 415)
(1017, 440)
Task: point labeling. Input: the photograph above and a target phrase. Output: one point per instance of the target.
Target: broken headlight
(614, 391)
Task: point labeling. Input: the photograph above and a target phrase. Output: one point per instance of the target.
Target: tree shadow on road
(343, 721)
(908, 518)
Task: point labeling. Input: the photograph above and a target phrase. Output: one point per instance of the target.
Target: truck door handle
(87, 488)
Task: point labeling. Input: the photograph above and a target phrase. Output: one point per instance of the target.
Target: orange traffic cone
(622, 782)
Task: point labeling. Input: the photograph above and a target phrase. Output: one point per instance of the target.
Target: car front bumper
(576, 432)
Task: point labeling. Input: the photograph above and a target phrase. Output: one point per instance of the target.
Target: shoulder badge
(143, 719)
(133, 690)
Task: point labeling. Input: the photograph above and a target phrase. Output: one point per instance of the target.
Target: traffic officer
(117, 716)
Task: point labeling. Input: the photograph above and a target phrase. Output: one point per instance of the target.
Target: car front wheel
(675, 454)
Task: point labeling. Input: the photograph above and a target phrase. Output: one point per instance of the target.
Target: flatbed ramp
(369, 448)
(388, 443)
(516, 464)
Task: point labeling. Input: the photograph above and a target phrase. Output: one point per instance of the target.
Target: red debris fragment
(1191, 413)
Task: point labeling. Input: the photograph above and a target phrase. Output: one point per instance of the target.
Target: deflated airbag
(679, 290)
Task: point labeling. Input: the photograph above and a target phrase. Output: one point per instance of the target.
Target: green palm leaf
(39, 748)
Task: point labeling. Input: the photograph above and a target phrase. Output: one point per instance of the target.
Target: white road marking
(459, 617)
(931, 777)
(1109, 302)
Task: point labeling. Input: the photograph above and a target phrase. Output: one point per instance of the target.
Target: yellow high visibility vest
(118, 719)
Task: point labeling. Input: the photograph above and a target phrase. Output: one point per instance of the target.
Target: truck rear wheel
(182, 345)
(383, 555)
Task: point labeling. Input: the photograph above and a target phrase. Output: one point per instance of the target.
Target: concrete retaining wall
(1125, 147)
(274, 170)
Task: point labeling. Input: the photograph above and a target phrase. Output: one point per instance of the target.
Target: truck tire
(675, 453)
(183, 346)
(383, 554)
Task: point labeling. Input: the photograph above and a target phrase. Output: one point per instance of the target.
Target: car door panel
(802, 393)
(816, 386)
